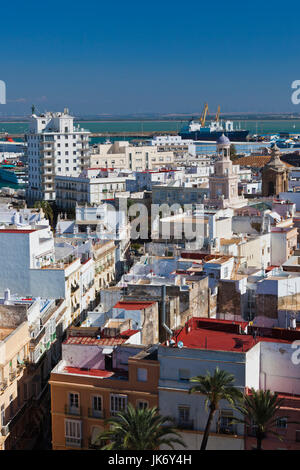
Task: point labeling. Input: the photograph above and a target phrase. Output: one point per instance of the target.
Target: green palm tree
(260, 412)
(46, 208)
(216, 387)
(140, 429)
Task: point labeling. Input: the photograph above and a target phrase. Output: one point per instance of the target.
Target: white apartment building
(54, 147)
(91, 187)
(121, 154)
(30, 267)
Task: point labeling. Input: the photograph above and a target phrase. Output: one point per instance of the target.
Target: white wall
(278, 373)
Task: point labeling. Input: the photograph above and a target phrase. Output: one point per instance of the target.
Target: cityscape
(149, 251)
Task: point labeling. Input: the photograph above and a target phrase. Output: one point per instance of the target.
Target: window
(281, 423)
(184, 413)
(74, 400)
(184, 374)
(73, 432)
(97, 406)
(117, 403)
(142, 375)
(226, 425)
(142, 404)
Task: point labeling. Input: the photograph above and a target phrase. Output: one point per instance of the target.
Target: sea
(263, 127)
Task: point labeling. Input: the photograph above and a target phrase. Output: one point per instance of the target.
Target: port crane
(205, 112)
(203, 115)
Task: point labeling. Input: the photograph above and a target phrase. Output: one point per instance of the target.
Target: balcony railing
(73, 442)
(12, 375)
(73, 411)
(96, 413)
(3, 385)
(227, 429)
(74, 288)
(20, 367)
(185, 424)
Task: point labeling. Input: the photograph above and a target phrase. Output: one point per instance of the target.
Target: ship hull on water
(12, 176)
(233, 136)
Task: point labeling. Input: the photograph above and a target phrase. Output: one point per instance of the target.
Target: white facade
(123, 155)
(54, 147)
(91, 187)
(177, 366)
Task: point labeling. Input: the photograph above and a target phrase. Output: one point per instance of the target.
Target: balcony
(73, 411)
(185, 424)
(20, 367)
(96, 413)
(12, 375)
(227, 429)
(74, 288)
(3, 385)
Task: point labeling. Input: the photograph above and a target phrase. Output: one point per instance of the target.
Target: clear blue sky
(161, 56)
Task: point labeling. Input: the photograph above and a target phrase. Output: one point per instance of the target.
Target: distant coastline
(234, 117)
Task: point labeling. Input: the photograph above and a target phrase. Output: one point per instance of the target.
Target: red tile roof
(256, 161)
(91, 341)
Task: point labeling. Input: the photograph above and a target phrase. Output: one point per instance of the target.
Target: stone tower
(275, 175)
(223, 184)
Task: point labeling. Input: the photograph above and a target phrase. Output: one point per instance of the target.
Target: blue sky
(162, 56)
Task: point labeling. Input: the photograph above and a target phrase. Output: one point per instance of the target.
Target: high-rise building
(55, 146)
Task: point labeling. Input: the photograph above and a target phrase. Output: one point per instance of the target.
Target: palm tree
(259, 410)
(46, 208)
(216, 387)
(140, 429)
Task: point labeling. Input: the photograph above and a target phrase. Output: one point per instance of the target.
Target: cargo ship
(197, 130)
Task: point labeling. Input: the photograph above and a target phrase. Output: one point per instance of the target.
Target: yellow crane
(203, 115)
(218, 114)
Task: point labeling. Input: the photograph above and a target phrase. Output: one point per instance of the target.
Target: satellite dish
(180, 344)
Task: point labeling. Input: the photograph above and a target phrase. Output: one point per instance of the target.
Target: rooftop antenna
(32, 109)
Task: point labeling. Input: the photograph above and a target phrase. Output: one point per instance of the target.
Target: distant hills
(169, 117)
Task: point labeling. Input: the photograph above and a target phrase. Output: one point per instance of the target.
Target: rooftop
(102, 341)
(11, 230)
(225, 335)
(133, 305)
(256, 161)
(100, 373)
(4, 332)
